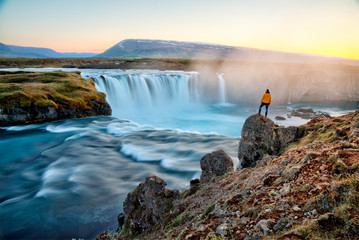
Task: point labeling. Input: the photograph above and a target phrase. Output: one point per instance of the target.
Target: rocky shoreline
(29, 97)
(296, 183)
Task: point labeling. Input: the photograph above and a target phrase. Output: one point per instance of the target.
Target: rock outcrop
(215, 164)
(147, 205)
(36, 114)
(310, 191)
(307, 113)
(27, 97)
(260, 136)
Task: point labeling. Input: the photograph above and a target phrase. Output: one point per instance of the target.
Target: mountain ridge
(13, 51)
(155, 48)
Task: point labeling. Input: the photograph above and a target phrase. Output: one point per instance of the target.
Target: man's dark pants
(262, 104)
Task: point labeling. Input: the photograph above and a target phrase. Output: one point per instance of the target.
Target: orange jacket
(267, 98)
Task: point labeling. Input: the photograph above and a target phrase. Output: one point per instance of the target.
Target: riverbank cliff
(34, 97)
(292, 183)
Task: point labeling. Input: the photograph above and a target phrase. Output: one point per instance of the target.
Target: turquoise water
(68, 179)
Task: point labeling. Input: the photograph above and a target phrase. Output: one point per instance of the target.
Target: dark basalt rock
(307, 113)
(37, 114)
(34, 97)
(148, 204)
(287, 135)
(329, 220)
(195, 182)
(120, 220)
(68, 66)
(215, 164)
(261, 136)
(280, 118)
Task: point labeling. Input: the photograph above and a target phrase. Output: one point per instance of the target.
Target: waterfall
(145, 90)
(222, 89)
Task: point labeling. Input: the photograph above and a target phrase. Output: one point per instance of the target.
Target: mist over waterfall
(289, 83)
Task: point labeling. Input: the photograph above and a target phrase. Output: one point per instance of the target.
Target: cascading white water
(167, 99)
(222, 89)
(131, 91)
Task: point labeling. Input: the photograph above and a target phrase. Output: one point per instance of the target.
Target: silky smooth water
(68, 179)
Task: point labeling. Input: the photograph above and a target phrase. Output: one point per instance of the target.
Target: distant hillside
(11, 51)
(143, 48)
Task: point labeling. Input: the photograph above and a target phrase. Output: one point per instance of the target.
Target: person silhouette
(266, 100)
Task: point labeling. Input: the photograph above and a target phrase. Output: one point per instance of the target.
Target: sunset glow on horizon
(324, 27)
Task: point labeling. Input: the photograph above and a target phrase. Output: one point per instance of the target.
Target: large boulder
(146, 206)
(260, 136)
(215, 164)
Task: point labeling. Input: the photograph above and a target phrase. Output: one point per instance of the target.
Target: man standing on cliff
(266, 100)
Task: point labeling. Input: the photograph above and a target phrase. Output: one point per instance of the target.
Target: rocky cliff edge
(305, 186)
(33, 97)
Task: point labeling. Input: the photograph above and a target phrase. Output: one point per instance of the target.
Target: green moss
(181, 235)
(317, 126)
(125, 230)
(303, 130)
(179, 220)
(264, 150)
(208, 211)
(353, 186)
(338, 120)
(185, 193)
(50, 89)
(305, 188)
(202, 192)
(168, 205)
(333, 158)
(354, 167)
(340, 167)
(155, 228)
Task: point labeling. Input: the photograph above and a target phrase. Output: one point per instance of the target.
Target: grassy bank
(65, 95)
(178, 64)
(51, 89)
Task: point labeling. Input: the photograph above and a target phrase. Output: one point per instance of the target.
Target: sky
(325, 27)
